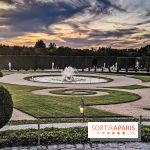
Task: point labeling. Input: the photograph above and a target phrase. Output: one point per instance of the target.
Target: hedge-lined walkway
(100, 146)
(43, 126)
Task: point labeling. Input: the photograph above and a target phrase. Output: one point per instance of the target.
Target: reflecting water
(60, 79)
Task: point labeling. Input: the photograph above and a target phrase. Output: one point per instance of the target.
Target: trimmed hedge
(1, 74)
(6, 106)
(48, 136)
(145, 134)
(53, 136)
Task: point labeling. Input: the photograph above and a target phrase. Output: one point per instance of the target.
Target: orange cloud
(67, 31)
(30, 39)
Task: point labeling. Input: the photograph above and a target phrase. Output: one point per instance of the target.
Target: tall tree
(40, 44)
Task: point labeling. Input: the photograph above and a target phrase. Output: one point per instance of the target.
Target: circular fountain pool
(60, 79)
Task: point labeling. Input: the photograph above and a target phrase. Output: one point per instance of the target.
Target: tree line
(40, 48)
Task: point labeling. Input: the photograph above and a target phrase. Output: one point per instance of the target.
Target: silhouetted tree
(52, 50)
(40, 44)
(52, 45)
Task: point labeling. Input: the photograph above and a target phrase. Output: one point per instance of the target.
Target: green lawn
(114, 97)
(130, 87)
(41, 105)
(143, 78)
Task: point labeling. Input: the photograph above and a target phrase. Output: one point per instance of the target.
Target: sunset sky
(76, 23)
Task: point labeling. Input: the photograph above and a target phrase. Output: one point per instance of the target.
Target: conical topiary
(6, 106)
(1, 74)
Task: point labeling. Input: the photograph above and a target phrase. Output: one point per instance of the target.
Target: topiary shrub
(1, 74)
(6, 106)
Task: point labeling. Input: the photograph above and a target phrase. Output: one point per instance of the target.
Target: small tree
(6, 106)
(40, 44)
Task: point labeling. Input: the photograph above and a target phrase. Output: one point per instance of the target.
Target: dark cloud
(147, 14)
(77, 43)
(18, 1)
(32, 17)
(107, 4)
(117, 33)
(80, 42)
(125, 42)
(144, 22)
(7, 1)
(146, 36)
(104, 7)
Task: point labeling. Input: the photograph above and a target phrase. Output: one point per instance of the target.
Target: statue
(116, 66)
(137, 65)
(52, 65)
(104, 67)
(9, 66)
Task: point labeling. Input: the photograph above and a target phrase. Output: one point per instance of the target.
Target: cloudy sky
(76, 23)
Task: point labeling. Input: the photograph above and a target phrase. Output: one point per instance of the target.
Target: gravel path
(132, 108)
(43, 126)
(47, 92)
(19, 115)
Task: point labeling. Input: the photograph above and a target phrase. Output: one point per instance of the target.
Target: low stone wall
(100, 146)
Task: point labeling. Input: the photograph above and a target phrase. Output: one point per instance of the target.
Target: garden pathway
(47, 92)
(50, 125)
(19, 115)
(132, 108)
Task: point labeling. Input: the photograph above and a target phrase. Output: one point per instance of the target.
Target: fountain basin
(60, 80)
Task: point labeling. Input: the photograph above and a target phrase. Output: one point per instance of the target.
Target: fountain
(70, 76)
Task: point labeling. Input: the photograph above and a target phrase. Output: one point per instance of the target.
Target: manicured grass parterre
(114, 97)
(143, 78)
(41, 105)
(130, 87)
(53, 136)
